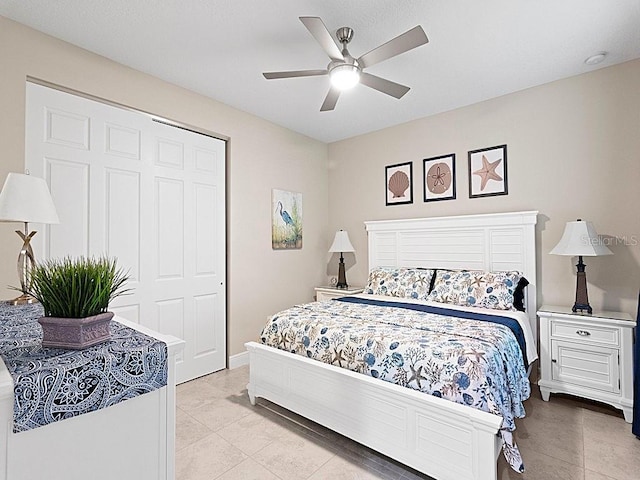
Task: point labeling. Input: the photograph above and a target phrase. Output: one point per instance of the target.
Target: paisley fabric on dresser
(53, 384)
(467, 361)
(475, 288)
(400, 282)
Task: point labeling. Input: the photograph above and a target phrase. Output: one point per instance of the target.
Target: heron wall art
(286, 220)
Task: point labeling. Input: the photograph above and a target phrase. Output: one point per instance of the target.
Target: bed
(440, 438)
(131, 439)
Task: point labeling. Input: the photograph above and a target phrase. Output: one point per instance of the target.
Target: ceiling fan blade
(382, 85)
(330, 100)
(295, 73)
(402, 43)
(316, 27)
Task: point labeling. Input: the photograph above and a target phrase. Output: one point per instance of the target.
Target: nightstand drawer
(322, 296)
(329, 293)
(583, 332)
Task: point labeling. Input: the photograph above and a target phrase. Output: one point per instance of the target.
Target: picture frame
(488, 172)
(439, 178)
(286, 220)
(399, 183)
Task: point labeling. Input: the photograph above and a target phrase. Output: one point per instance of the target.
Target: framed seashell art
(439, 179)
(399, 183)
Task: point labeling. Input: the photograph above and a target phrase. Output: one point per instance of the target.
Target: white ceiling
(477, 49)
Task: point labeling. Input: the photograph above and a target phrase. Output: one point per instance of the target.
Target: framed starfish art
(439, 178)
(488, 172)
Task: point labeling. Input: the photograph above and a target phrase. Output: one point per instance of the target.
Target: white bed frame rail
(435, 436)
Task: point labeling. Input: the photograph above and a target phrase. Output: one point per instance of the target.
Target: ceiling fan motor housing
(344, 34)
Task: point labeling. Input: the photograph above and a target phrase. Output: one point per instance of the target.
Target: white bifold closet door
(150, 194)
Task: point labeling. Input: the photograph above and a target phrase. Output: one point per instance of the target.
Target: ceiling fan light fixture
(344, 76)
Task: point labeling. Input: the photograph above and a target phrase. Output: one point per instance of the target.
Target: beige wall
(573, 152)
(262, 156)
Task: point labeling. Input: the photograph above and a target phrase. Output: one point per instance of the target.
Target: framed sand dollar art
(439, 178)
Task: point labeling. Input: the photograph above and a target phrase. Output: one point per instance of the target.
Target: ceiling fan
(346, 71)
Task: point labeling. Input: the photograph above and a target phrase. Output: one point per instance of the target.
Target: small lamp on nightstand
(580, 240)
(341, 244)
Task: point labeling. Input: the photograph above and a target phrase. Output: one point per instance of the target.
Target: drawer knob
(553, 360)
(583, 333)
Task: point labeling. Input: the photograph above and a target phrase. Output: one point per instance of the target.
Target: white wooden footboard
(437, 437)
(132, 439)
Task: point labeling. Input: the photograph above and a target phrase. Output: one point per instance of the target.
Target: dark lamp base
(582, 308)
(582, 298)
(342, 278)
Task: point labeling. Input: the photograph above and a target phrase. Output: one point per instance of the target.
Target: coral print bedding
(474, 362)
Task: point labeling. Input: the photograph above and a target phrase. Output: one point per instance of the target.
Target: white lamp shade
(580, 239)
(341, 243)
(25, 198)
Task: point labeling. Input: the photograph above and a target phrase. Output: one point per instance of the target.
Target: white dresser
(590, 356)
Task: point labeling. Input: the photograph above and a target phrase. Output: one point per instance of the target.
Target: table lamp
(25, 198)
(580, 239)
(341, 244)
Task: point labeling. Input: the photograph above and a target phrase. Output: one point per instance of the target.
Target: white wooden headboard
(494, 241)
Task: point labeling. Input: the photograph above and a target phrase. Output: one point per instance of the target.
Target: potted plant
(75, 295)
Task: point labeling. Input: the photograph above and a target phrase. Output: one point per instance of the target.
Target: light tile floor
(220, 435)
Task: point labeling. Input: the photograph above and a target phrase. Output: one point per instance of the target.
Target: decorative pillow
(475, 288)
(382, 281)
(400, 282)
(415, 283)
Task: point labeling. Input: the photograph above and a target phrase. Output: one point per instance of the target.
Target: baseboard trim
(238, 360)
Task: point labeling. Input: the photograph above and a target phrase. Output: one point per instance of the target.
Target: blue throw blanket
(52, 384)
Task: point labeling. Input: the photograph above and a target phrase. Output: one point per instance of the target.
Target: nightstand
(590, 356)
(327, 293)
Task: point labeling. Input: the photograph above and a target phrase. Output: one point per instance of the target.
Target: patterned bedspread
(470, 362)
(53, 384)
